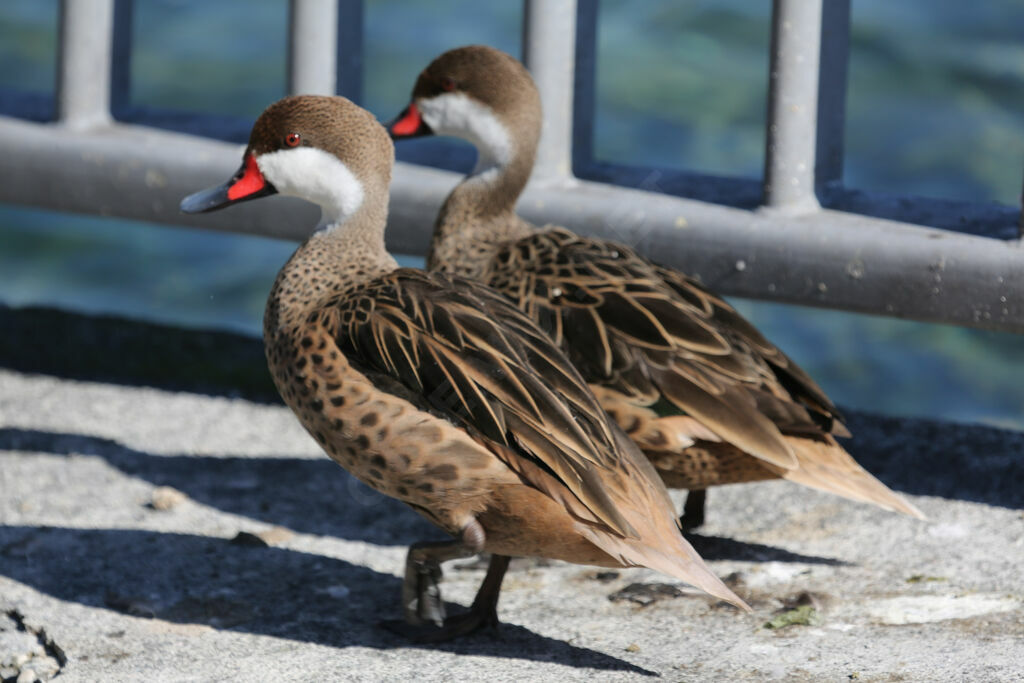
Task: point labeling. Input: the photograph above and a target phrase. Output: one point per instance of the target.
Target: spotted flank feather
(490, 370)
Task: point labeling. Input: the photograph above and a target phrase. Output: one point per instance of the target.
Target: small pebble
(166, 498)
(275, 535)
(632, 647)
(262, 539)
(736, 581)
(46, 667)
(27, 676)
(249, 540)
(803, 599)
(645, 594)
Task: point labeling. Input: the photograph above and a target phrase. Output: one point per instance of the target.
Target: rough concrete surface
(150, 535)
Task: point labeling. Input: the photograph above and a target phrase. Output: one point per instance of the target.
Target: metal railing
(933, 260)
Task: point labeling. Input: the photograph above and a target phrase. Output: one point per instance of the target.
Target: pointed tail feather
(650, 511)
(684, 563)
(826, 466)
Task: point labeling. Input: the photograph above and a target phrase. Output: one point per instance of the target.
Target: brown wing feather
(489, 369)
(791, 383)
(657, 336)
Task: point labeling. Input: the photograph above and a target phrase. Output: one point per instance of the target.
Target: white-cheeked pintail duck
(697, 387)
(435, 390)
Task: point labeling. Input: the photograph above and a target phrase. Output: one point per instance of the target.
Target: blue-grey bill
(210, 199)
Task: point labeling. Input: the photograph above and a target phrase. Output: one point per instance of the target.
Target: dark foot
(483, 615)
(424, 603)
(455, 626)
(693, 510)
(421, 590)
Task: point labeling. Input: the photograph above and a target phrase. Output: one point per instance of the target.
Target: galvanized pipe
(312, 47)
(792, 106)
(549, 52)
(832, 78)
(829, 259)
(83, 63)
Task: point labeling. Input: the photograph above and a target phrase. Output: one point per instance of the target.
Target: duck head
(479, 94)
(325, 150)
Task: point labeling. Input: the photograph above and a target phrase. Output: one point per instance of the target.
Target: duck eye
(448, 83)
(292, 139)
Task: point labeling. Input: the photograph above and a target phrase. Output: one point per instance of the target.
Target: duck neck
(342, 254)
(479, 214)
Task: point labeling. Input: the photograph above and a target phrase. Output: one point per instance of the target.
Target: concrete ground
(156, 535)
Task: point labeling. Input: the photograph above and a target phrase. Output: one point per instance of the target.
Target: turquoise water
(935, 104)
(936, 108)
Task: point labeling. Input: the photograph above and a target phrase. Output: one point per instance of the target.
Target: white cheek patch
(314, 175)
(461, 116)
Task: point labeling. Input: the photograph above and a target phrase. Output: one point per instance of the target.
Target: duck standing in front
(433, 389)
(697, 387)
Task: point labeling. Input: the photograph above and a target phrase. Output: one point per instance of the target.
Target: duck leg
(693, 509)
(425, 619)
(421, 590)
(482, 614)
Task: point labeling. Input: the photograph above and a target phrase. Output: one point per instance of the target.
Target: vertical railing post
(84, 59)
(312, 47)
(832, 80)
(792, 106)
(585, 85)
(549, 52)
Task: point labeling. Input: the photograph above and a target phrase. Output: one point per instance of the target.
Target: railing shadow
(943, 459)
(721, 548)
(116, 350)
(312, 496)
(191, 579)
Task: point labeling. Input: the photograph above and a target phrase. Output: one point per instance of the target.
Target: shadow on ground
(312, 496)
(134, 353)
(915, 456)
(721, 548)
(269, 591)
(942, 459)
(308, 496)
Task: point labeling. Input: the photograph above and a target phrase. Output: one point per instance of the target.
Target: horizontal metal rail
(829, 258)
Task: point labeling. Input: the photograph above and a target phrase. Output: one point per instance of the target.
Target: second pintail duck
(435, 390)
(696, 386)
